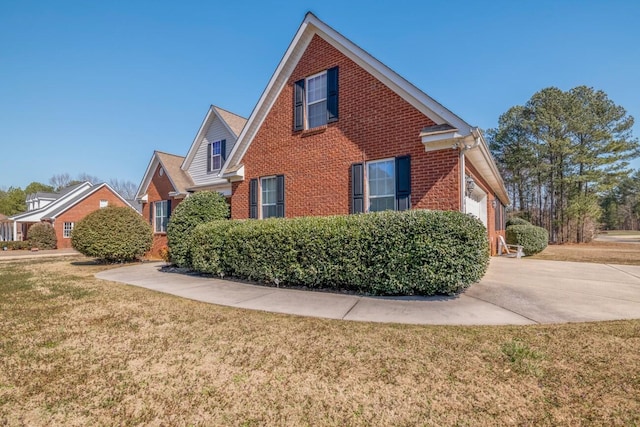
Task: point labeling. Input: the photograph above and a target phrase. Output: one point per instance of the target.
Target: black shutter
(357, 188)
(209, 157)
(298, 105)
(168, 209)
(403, 183)
(332, 95)
(253, 198)
(151, 214)
(280, 196)
(223, 150)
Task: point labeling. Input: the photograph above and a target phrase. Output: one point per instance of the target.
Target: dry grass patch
(75, 350)
(599, 252)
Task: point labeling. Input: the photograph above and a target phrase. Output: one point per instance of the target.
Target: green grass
(75, 350)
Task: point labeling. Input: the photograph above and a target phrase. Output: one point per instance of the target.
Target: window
(104, 203)
(385, 186)
(161, 218)
(66, 230)
(382, 185)
(316, 100)
(268, 200)
(215, 155)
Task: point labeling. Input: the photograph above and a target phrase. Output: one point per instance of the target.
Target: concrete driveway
(513, 291)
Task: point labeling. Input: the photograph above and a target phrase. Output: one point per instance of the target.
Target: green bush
(42, 236)
(533, 239)
(198, 208)
(387, 253)
(112, 234)
(15, 245)
(517, 221)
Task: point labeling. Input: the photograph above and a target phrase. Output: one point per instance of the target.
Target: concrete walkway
(513, 292)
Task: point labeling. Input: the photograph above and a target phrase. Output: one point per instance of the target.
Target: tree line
(13, 199)
(564, 156)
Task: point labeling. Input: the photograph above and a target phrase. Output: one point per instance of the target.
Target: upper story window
(316, 100)
(104, 203)
(215, 155)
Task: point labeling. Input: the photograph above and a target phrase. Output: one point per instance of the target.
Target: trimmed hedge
(42, 236)
(387, 253)
(15, 245)
(198, 208)
(517, 221)
(112, 234)
(533, 239)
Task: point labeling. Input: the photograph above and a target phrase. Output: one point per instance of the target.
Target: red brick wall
(82, 209)
(374, 123)
(159, 189)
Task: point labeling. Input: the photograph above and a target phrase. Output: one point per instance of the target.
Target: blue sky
(95, 87)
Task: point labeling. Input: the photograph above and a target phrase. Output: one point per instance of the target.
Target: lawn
(605, 252)
(75, 350)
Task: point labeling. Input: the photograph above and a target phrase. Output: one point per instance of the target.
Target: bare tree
(84, 177)
(126, 189)
(60, 181)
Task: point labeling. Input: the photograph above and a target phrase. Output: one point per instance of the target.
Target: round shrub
(517, 221)
(42, 236)
(533, 239)
(387, 253)
(112, 234)
(198, 208)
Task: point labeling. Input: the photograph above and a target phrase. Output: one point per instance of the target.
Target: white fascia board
(441, 141)
(235, 176)
(186, 163)
(148, 174)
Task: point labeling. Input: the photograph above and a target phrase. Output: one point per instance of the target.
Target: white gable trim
(148, 176)
(204, 128)
(311, 26)
(93, 190)
(35, 215)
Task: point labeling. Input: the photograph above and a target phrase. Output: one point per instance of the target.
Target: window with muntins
(317, 100)
(66, 229)
(381, 185)
(161, 218)
(268, 197)
(216, 156)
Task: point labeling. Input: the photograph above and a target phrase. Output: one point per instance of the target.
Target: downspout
(463, 176)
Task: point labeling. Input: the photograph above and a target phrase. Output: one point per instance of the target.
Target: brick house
(64, 209)
(338, 132)
(169, 178)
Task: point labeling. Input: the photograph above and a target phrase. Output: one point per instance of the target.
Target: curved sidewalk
(513, 292)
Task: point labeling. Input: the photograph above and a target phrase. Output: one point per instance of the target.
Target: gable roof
(311, 26)
(64, 195)
(80, 196)
(445, 120)
(171, 163)
(233, 122)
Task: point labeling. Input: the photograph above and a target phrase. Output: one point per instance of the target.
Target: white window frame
(159, 223)
(67, 228)
(308, 104)
(275, 195)
(104, 203)
(216, 157)
(368, 190)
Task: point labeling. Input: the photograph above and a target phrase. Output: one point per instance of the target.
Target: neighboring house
(170, 178)
(63, 209)
(338, 132)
